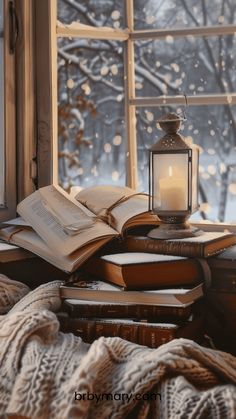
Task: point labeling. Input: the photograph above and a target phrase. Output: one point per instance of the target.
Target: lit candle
(173, 192)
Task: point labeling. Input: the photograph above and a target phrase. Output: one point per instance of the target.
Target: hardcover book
(143, 333)
(66, 231)
(203, 246)
(104, 309)
(10, 253)
(137, 270)
(101, 291)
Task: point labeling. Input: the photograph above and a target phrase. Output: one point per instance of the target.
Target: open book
(66, 231)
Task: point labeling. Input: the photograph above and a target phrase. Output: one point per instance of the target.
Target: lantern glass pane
(194, 178)
(170, 182)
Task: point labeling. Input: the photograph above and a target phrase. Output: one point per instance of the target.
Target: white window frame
(128, 36)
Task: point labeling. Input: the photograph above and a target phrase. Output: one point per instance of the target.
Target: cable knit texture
(10, 292)
(41, 369)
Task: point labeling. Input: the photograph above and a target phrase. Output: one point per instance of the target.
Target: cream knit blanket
(45, 374)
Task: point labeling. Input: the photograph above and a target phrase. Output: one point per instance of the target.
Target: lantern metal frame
(173, 223)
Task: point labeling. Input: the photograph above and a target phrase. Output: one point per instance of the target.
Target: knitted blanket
(47, 374)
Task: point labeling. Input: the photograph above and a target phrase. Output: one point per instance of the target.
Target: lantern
(173, 181)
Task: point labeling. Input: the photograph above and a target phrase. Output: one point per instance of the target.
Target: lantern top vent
(170, 122)
(171, 141)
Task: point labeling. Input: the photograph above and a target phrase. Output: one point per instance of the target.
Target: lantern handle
(186, 105)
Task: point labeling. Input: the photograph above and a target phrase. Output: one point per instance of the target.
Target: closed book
(102, 291)
(143, 333)
(10, 253)
(86, 308)
(203, 246)
(138, 270)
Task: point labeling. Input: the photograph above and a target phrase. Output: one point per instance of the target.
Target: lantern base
(174, 231)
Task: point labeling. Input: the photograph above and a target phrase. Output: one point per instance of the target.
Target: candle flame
(170, 171)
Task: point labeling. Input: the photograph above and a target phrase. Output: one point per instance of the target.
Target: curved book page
(49, 210)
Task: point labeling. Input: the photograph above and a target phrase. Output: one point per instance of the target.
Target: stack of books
(145, 298)
(141, 295)
(142, 289)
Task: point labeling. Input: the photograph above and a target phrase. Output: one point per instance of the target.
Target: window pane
(92, 12)
(213, 128)
(153, 14)
(92, 143)
(2, 93)
(193, 65)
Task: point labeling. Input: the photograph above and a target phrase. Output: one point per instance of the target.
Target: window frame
(46, 91)
(9, 207)
(19, 105)
(26, 170)
(131, 101)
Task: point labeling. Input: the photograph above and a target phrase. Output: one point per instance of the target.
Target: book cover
(10, 253)
(205, 245)
(101, 291)
(103, 309)
(138, 270)
(144, 333)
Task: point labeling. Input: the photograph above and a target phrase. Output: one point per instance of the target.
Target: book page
(6, 246)
(136, 205)
(99, 199)
(30, 240)
(116, 204)
(48, 211)
(19, 221)
(98, 285)
(133, 258)
(70, 214)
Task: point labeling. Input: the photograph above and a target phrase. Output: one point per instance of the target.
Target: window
(174, 50)
(93, 93)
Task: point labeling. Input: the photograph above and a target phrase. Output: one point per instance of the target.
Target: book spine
(134, 311)
(142, 334)
(153, 336)
(145, 244)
